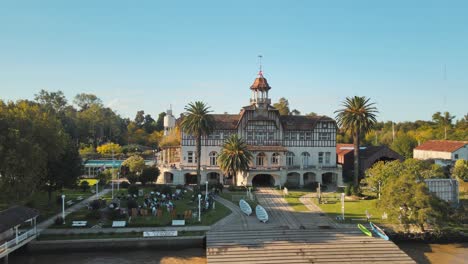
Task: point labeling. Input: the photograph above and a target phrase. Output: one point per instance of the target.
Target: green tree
(140, 118)
(385, 172)
(409, 200)
(53, 100)
(234, 157)
(85, 101)
(460, 170)
(382, 172)
(197, 122)
(160, 121)
(359, 117)
(109, 149)
(135, 164)
(404, 145)
(150, 125)
(149, 174)
(282, 106)
(444, 121)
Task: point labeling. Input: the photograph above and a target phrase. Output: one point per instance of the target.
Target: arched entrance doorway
(263, 180)
(293, 178)
(309, 177)
(168, 177)
(190, 178)
(213, 177)
(329, 178)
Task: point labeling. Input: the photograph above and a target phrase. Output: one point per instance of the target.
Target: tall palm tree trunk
(356, 159)
(198, 154)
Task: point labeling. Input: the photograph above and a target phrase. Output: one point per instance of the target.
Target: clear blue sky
(156, 53)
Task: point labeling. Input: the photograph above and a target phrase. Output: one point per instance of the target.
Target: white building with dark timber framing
(296, 149)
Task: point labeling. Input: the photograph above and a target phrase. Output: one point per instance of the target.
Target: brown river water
(421, 253)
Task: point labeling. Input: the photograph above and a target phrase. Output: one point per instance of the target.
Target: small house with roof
(293, 149)
(443, 152)
(17, 227)
(369, 155)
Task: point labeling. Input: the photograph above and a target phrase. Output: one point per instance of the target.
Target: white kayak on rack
(261, 213)
(245, 207)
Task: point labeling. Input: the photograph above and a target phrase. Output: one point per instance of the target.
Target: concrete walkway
(47, 223)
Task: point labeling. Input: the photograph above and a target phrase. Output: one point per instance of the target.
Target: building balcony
(265, 168)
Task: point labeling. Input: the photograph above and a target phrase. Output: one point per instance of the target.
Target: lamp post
(206, 192)
(199, 207)
(63, 208)
(118, 180)
(112, 189)
(97, 189)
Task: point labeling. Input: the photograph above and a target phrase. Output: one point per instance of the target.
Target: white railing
(15, 241)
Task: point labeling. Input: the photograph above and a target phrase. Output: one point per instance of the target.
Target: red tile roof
(442, 145)
(343, 149)
(260, 83)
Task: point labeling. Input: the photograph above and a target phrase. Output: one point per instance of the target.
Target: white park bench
(79, 223)
(178, 222)
(119, 224)
(69, 202)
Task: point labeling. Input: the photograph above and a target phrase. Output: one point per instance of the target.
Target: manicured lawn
(353, 209)
(40, 201)
(293, 199)
(208, 218)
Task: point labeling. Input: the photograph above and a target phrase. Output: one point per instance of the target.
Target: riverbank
(429, 237)
(424, 253)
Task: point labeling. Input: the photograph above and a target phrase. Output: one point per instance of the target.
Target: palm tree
(359, 117)
(197, 122)
(234, 156)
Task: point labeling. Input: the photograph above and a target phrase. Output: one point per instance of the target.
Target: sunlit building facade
(293, 149)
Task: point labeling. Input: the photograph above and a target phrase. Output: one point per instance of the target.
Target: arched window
(261, 159)
(305, 159)
(213, 158)
(290, 159)
(275, 158)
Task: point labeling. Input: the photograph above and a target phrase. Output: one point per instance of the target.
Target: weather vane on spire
(260, 64)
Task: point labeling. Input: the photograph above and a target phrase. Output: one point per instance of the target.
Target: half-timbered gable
(290, 149)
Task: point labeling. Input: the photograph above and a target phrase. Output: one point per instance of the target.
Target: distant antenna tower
(445, 86)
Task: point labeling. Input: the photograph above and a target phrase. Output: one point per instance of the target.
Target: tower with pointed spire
(260, 88)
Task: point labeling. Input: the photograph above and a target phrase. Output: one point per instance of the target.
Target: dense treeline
(41, 140)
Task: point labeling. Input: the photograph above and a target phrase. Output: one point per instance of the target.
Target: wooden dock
(300, 246)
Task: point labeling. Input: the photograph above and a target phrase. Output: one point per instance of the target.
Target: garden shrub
(132, 178)
(132, 204)
(340, 189)
(58, 220)
(95, 205)
(180, 187)
(348, 190)
(84, 185)
(291, 185)
(94, 214)
(124, 184)
(166, 189)
(311, 186)
(132, 189)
